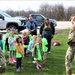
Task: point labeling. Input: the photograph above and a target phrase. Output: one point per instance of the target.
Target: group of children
(19, 46)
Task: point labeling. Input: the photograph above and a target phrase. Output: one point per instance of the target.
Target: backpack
(56, 43)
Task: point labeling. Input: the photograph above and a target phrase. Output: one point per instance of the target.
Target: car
(40, 19)
(6, 21)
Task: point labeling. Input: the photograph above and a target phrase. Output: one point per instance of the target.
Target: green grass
(55, 64)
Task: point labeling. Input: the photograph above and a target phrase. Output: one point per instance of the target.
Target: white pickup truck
(11, 22)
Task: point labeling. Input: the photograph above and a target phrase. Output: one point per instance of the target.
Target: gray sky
(31, 4)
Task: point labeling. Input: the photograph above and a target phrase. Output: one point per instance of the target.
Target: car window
(39, 17)
(0, 16)
(33, 16)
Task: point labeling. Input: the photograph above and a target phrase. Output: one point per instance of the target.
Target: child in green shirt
(6, 36)
(16, 33)
(44, 47)
(37, 51)
(2, 44)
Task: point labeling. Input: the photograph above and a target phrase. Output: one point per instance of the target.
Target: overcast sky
(31, 4)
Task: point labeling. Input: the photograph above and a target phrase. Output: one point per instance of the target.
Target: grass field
(55, 64)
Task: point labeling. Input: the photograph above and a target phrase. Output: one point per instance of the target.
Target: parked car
(40, 19)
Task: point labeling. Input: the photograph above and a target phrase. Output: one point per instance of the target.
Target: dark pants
(34, 33)
(18, 63)
(7, 44)
(49, 38)
(25, 51)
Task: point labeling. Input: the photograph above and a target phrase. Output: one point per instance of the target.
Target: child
(12, 48)
(30, 36)
(37, 52)
(19, 53)
(44, 46)
(6, 39)
(25, 39)
(2, 44)
(16, 33)
(31, 47)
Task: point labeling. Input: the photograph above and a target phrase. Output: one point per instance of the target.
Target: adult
(71, 49)
(32, 25)
(47, 30)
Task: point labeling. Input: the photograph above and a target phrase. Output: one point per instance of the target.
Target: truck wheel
(12, 27)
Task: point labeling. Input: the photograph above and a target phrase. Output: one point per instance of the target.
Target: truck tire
(12, 27)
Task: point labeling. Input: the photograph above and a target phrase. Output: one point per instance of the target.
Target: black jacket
(52, 26)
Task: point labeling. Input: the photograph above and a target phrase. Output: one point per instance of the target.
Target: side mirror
(1, 17)
(42, 18)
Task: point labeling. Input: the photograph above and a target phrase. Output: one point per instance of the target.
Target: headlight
(23, 22)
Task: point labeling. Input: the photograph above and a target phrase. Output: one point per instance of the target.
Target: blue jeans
(18, 63)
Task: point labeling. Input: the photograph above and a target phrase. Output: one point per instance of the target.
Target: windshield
(5, 14)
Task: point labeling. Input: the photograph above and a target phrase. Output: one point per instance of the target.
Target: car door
(1, 22)
(39, 19)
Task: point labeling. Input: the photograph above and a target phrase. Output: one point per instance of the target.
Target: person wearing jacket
(32, 25)
(70, 53)
(48, 30)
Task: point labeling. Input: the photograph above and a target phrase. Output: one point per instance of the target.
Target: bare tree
(11, 12)
(45, 9)
(56, 11)
(70, 11)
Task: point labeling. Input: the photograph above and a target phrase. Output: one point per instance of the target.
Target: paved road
(63, 25)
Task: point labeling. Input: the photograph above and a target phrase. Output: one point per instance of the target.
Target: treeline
(57, 11)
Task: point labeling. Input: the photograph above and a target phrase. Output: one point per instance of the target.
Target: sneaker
(11, 61)
(34, 61)
(14, 59)
(49, 52)
(17, 70)
(37, 67)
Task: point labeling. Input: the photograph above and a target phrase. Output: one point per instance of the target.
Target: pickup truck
(11, 22)
(40, 19)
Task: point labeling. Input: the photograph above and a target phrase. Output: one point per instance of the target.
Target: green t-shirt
(15, 35)
(37, 52)
(18, 55)
(7, 35)
(3, 46)
(25, 46)
(30, 37)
